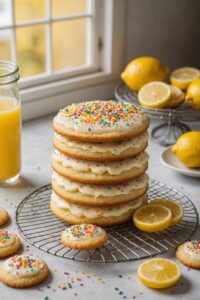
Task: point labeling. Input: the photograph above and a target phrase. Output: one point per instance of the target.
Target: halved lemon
(152, 218)
(176, 209)
(177, 97)
(159, 273)
(154, 94)
(182, 77)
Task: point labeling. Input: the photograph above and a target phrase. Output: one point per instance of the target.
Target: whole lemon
(143, 70)
(187, 149)
(193, 94)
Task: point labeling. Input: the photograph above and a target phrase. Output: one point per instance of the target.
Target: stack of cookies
(99, 162)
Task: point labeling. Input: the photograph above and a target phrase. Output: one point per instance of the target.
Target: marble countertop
(75, 280)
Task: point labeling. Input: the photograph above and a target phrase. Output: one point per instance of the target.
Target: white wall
(166, 29)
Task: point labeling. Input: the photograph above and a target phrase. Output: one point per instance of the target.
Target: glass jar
(10, 123)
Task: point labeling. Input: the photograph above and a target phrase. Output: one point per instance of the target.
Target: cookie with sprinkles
(102, 172)
(84, 237)
(3, 216)
(101, 121)
(101, 216)
(110, 151)
(23, 271)
(189, 254)
(9, 243)
(99, 195)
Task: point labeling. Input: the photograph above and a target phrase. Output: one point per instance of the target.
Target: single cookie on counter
(84, 237)
(101, 216)
(99, 195)
(3, 216)
(101, 121)
(99, 172)
(189, 254)
(23, 271)
(101, 151)
(9, 243)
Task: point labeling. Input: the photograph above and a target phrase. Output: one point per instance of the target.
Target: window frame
(42, 99)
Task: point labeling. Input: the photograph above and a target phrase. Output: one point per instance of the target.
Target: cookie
(9, 243)
(101, 216)
(99, 195)
(84, 237)
(100, 121)
(101, 151)
(3, 216)
(23, 271)
(189, 254)
(99, 172)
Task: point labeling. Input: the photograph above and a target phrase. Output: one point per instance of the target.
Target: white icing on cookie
(95, 212)
(82, 232)
(112, 168)
(6, 239)
(96, 190)
(193, 251)
(23, 265)
(115, 148)
(101, 116)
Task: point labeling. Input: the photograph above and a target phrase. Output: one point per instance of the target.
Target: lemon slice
(154, 94)
(175, 92)
(182, 77)
(152, 218)
(159, 273)
(173, 103)
(176, 209)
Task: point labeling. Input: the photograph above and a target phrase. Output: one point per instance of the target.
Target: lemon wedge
(182, 77)
(176, 209)
(152, 218)
(155, 94)
(159, 273)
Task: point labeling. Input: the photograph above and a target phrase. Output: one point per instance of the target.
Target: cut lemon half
(155, 94)
(159, 273)
(182, 77)
(152, 218)
(176, 209)
(177, 97)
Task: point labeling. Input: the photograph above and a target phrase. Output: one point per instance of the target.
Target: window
(62, 46)
(49, 38)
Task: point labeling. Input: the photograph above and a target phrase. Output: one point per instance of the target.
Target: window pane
(64, 7)
(31, 50)
(28, 10)
(69, 43)
(5, 12)
(5, 45)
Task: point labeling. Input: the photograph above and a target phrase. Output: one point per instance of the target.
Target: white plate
(170, 160)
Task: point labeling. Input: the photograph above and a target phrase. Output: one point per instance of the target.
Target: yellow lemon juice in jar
(10, 139)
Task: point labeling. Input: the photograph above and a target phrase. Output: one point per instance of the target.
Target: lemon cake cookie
(99, 195)
(100, 121)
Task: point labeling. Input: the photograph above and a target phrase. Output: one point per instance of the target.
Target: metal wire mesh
(42, 229)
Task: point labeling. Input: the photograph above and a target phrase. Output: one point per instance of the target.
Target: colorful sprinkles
(102, 113)
(4, 235)
(82, 231)
(24, 262)
(194, 246)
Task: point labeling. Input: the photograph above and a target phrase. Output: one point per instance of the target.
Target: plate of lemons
(184, 155)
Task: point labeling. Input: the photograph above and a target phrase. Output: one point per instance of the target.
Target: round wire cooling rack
(173, 120)
(41, 228)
